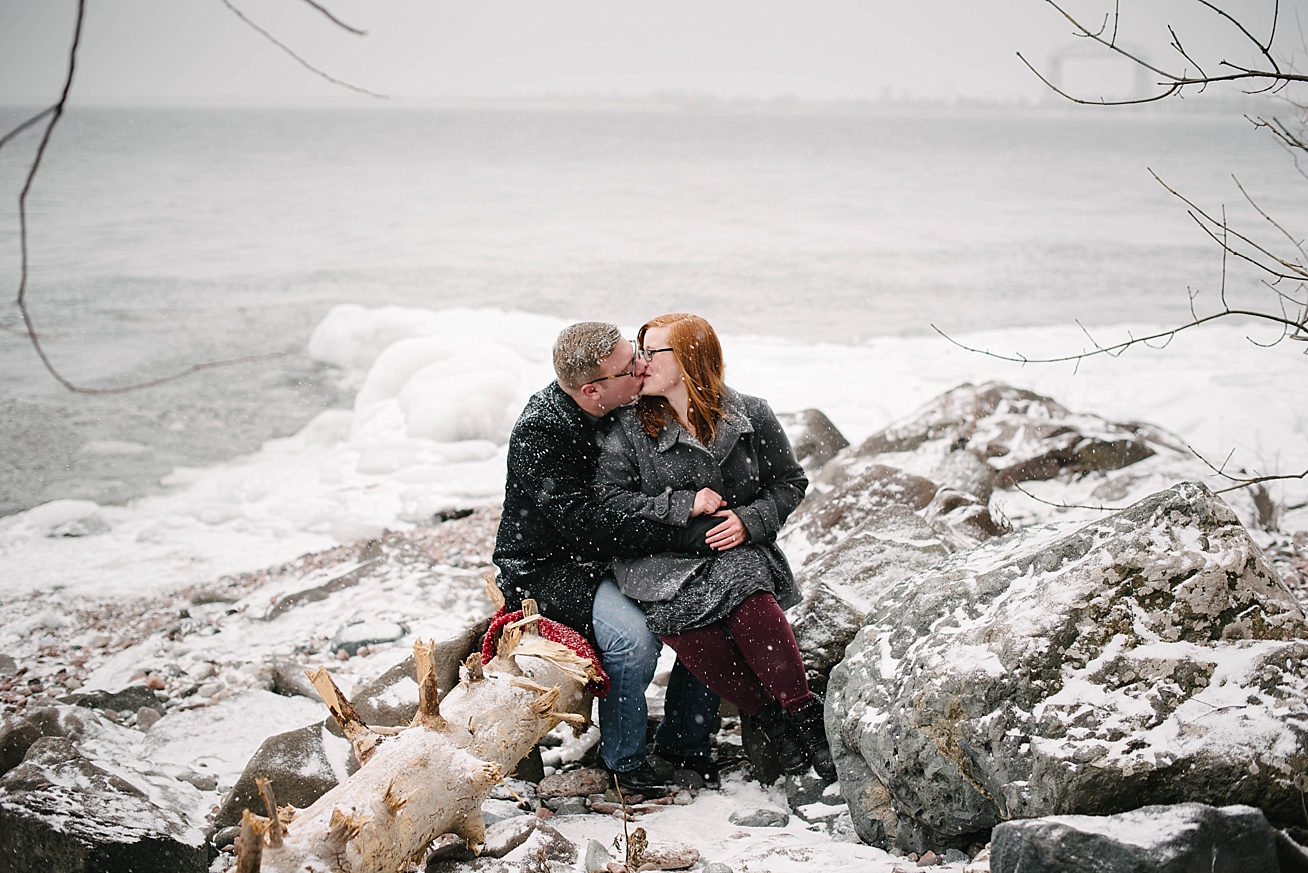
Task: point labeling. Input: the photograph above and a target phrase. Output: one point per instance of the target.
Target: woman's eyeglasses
(648, 354)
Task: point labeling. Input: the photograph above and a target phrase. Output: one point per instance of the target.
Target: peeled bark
(431, 777)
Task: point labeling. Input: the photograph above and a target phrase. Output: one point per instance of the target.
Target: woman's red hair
(698, 352)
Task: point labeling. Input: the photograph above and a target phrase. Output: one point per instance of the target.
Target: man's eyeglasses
(630, 371)
(648, 354)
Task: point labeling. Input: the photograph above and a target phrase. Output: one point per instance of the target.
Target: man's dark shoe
(783, 737)
(644, 780)
(810, 725)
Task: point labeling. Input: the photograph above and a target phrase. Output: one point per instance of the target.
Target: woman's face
(662, 373)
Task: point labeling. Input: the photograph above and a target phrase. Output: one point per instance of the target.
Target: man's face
(621, 375)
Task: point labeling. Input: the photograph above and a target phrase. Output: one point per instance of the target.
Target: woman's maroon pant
(749, 658)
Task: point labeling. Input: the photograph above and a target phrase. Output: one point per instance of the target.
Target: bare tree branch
(54, 114)
(1165, 336)
(308, 66)
(1271, 79)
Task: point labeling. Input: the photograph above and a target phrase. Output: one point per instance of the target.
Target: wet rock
(567, 805)
(574, 783)
(351, 637)
(303, 765)
(763, 817)
(392, 698)
(449, 847)
(289, 680)
(16, 736)
(112, 825)
(505, 836)
(129, 699)
(226, 836)
(813, 437)
(1188, 836)
(1150, 657)
(546, 844)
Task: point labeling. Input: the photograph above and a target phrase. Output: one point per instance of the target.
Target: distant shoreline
(692, 102)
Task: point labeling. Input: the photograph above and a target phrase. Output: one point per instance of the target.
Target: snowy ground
(177, 589)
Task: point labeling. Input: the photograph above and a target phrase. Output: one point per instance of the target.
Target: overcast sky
(196, 51)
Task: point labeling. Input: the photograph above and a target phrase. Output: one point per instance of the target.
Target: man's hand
(729, 534)
(707, 501)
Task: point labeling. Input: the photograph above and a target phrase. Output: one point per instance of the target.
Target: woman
(692, 446)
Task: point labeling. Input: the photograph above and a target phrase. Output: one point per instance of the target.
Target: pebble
(597, 857)
(717, 867)
(146, 717)
(111, 714)
(929, 859)
(155, 683)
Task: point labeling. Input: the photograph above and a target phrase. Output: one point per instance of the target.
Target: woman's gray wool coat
(753, 467)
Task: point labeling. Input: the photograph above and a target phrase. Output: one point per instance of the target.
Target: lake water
(163, 238)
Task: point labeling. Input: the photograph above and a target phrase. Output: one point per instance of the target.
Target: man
(555, 541)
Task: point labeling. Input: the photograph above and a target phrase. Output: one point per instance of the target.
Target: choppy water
(162, 238)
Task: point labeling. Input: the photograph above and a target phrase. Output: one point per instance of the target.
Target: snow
(439, 392)
(441, 389)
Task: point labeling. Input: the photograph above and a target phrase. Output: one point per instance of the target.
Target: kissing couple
(641, 507)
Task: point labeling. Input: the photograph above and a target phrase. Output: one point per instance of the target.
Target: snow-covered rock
(1149, 657)
(1187, 836)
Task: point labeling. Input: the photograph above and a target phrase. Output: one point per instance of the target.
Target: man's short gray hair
(579, 350)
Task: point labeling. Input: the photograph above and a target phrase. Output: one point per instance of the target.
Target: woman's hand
(707, 501)
(729, 534)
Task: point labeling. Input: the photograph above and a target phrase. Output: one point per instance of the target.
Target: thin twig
(1242, 481)
(1100, 508)
(334, 20)
(308, 66)
(25, 125)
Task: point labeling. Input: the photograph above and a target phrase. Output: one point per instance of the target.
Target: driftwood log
(431, 777)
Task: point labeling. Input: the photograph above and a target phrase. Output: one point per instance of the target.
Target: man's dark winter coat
(555, 538)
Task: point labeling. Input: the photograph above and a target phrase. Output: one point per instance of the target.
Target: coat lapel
(734, 423)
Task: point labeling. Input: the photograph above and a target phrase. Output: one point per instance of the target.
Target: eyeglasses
(630, 371)
(648, 354)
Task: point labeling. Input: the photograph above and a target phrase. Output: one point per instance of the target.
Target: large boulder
(59, 811)
(1152, 839)
(1024, 435)
(813, 437)
(841, 583)
(1150, 657)
(302, 764)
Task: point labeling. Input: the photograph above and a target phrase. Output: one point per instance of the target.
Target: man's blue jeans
(630, 655)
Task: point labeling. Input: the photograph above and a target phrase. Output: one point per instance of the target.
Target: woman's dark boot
(785, 742)
(809, 724)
